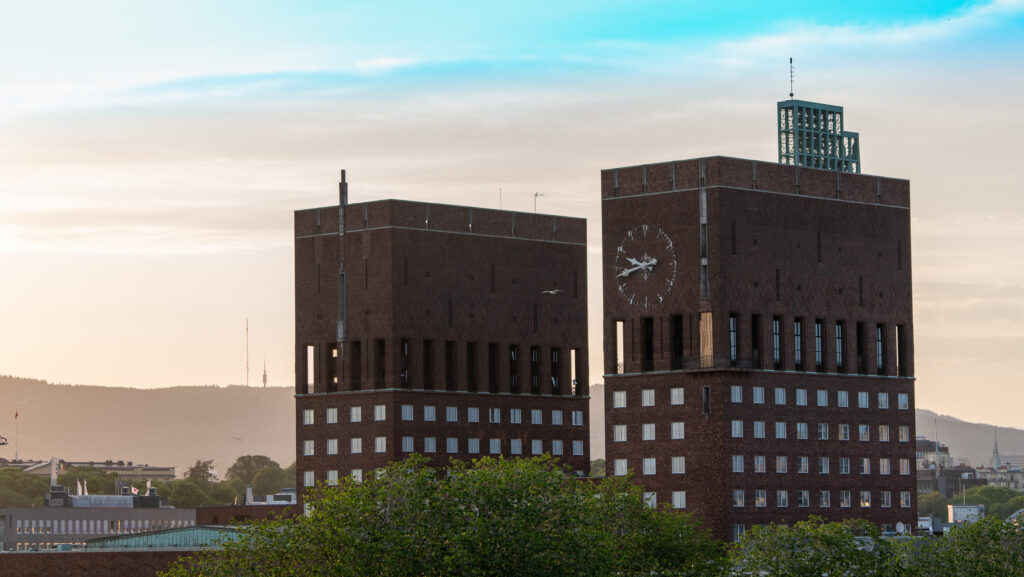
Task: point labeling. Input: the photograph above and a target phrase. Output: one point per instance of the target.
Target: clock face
(645, 266)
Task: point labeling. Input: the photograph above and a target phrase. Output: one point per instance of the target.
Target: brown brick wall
(88, 564)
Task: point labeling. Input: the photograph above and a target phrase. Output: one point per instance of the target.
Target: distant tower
(264, 372)
(996, 461)
(811, 134)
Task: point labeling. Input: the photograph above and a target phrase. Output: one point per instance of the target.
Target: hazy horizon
(151, 157)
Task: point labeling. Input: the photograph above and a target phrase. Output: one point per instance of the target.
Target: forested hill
(161, 427)
(971, 441)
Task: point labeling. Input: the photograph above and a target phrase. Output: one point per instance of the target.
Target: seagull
(551, 292)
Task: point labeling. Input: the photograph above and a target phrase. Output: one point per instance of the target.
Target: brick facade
(708, 263)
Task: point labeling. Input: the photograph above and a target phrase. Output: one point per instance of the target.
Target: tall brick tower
(758, 340)
(449, 331)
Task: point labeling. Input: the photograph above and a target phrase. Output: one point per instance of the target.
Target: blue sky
(151, 154)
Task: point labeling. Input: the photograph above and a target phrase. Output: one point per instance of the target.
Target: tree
(930, 504)
(202, 471)
(98, 481)
(247, 467)
(809, 548)
(271, 480)
(989, 547)
(187, 495)
(494, 517)
(597, 468)
(21, 489)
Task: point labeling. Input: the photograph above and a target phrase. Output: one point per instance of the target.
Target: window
(733, 347)
(801, 397)
(650, 466)
(380, 412)
(780, 396)
(865, 466)
(537, 417)
(798, 343)
(647, 432)
(676, 396)
(473, 446)
(406, 412)
(864, 433)
(822, 431)
(777, 343)
(737, 463)
(760, 498)
(451, 414)
(883, 400)
(407, 445)
(494, 415)
(307, 448)
(355, 414)
(618, 467)
(307, 417)
(759, 466)
(903, 401)
(736, 394)
(618, 433)
(905, 499)
(819, 345)
(618, 399)
(356, 445)
(380, 444)
(904, 466)
(823, 465)
(332, 446)
(678, 465)
(844, 499)
(577, 448)
(737, 532)
(842, 399)
(332, 477)
(862, 400)
(537, 447)
(357, 474)
(844, 465)
(473, 414)
(822, 398)
(880, 348)
(647, 398)
(803, 465)
(429, 444)
(865, 499)
(556, 417)
(495, 446)
(332, 415)
(738, 498)
(679, 499)
(803, 498)
(650, 499)
(839, 346)
(577, 418)
(801, 431)
(844, 432)
(781, 464)
(758, 395)
(883, 433)
(780, 430)
(556, 447)
(308, 479)
(782, 499)
(515, 416)
(429, 413)
(678, 430)
(824, 499)
(737, 429)
(758, 429)
(886, 499)
(904, 434)
(884, 466)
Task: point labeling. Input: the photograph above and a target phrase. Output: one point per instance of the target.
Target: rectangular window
(356, 445)
(823, 398)
(620, 358)
(556, 448)
(537, 447)
(513, 368)
(886, 499)
(758, 395)
(428, 364)
(883, 400)
(864, 433)
(781, 464)
(647, 398)
(407, 412)
(650, 466)
(536, 417)
(904, 434)
(733, 340)
(884, 466)
(755, 340)
(883, 433)
(759, 463)
(803, 498)
(307, 448)
(646, 344)
(904, 466)
(308, 479)
(865, 499)
(904, 401)
(556, 417)
(556, 373)
(678, 465)
(737, 463)
(842, 399)
(905, 499)
(844, 432)
(760, 498)
(901, 351)
(676, 343)
(495, 446)
(823, 465)
(307, 417)
(801, 431)
(618, 467)
(679, 499)
(840, 333)
(535, 370)
(736, 394)
(737, 429)
(758, 429)
(471, 370)
(863, 400)
(429, 444)
(647, 432)
(861, 342)
(429, 413)
(473, 414)
(380, 412)
(332, 446)
(803, 465)
(380, 444)
(332, 477)
(880, 348)
(865, 465)
(451, 414)
(737, 532)
(355, 414)
(822, 431)
(577, 448)
(782, 499)
(577, 418)
(450, 362)
(473, 446)
(738, 498)
(780, 396)
(332, 415)
(798, 343)
(494, 415)
(780, 430)
(650, 499)
(515, 416)
(452, 445)
(493, 380)
(844, 499)
(844, 465)
(801, 397)
(824, 499)
(776, 343)
(515, 446)
(407, 444)
(676, 396)
(619, 399)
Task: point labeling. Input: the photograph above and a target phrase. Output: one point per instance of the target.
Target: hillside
(971, 441)
(171, 426)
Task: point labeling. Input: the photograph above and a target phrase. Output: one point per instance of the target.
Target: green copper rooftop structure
(811, 134)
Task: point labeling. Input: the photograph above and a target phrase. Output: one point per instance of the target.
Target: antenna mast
(791, 77)
(247, 352)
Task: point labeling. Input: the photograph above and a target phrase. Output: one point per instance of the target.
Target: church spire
(996, 461)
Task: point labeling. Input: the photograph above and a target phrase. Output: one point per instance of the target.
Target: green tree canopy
(988, 548)
(247, 467)
(21, 489)
(201, 470)
(933, 503)
(99, 482)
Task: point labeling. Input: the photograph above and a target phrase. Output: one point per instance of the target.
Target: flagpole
(15, 435)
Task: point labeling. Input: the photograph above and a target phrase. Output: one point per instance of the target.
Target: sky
(152, 155)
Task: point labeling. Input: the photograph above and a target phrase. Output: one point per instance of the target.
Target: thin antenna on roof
(791, 77)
